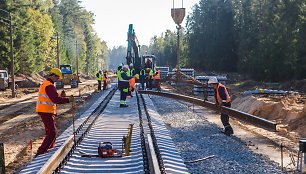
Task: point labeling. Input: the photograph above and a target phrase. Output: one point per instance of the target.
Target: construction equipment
(4, 80)
(68, 77)
(133, 50)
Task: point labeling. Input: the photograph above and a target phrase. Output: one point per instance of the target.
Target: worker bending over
(222, 98)
(123, 85)
(131, 72)
(104, 78)
(46, 108)
(157, 79)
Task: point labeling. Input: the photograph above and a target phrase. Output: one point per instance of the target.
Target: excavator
(133, 53)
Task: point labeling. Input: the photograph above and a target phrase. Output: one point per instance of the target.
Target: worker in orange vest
(132, 84)
(222, 98)
(157, 79)
(46, 108)
(104, 78)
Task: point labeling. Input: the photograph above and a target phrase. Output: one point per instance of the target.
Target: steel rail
(62, 155)
(154, 140)
(249, 118)
(143, 138)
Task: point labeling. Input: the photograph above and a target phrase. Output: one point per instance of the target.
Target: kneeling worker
(46, 108)
(124, 85)
(222, 99)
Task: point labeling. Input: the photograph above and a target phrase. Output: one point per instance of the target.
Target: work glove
(71, 99)
(63, 94)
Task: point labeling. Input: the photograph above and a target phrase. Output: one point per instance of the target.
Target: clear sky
(149, 17)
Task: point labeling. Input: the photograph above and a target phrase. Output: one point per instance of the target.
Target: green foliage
(265, 39)
(35, 25)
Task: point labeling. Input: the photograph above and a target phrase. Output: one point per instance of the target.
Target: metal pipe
(249, 118)
(12, 58)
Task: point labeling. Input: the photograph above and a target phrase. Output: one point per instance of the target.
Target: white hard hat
(212, 80)
(131, 65)
(126, 66)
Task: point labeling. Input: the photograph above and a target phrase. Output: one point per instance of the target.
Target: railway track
(152, 149)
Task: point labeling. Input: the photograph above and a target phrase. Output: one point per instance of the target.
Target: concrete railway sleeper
(151, 145)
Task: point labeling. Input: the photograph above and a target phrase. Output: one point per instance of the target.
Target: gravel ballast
(196, 138)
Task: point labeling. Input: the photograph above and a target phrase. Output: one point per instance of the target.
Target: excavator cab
(149, 61)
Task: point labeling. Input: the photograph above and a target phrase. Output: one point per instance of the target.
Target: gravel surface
(196, 138)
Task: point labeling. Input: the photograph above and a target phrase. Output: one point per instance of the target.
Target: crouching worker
(132, 84)
(124, 85)
(46, 108)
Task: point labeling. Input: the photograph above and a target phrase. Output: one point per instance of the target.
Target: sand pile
(287, 111)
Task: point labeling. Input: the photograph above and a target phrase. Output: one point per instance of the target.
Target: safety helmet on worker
(57, 72)
(131, 65)
(126, 67)
(137, 76)
(213, 80)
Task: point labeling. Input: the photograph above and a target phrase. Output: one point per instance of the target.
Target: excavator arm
(133, 49)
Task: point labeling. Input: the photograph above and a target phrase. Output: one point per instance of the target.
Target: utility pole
(57, 51)
(12, 58)
(77, 57)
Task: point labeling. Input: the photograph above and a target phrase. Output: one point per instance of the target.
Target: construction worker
(222, 98)
(130, 73)
(142, 78)
(46, 108)
(132, 84)
(124, 85)
(157, 79)
(99, 79)
(149, 78)
(118, 72)
(104, 78)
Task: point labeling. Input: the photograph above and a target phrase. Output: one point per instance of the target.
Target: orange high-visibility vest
(44, 103)
(103, 77)
(228, 99)
(132, 83)
(157, 76)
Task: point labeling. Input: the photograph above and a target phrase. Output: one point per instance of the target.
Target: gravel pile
(196, 138)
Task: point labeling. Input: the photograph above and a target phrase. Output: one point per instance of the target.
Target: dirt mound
(289, 111)
(29, 81)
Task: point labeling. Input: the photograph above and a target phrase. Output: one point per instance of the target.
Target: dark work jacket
(124, 82)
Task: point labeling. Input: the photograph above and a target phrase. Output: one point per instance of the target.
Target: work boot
(123, 105)
(228, 131)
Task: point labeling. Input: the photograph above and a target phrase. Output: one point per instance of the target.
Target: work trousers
(225, 117)
(104, 84)
(99, 85)
(157, 82)
(149, 83)
(123, 94)
(50, 127)
(142, 81)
